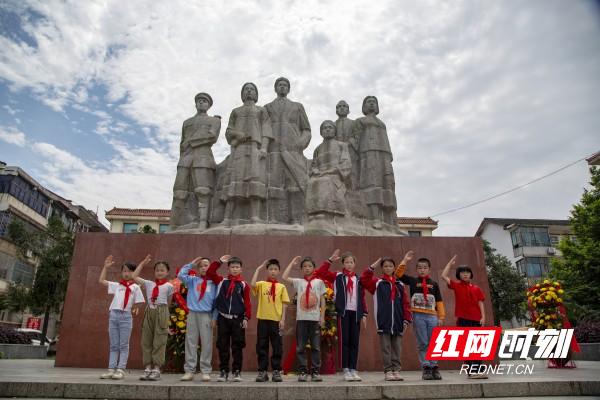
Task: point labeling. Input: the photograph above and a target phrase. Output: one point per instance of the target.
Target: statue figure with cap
(249, 134)
(288, 167)
(196, 167)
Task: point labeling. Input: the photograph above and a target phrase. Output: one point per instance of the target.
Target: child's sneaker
(436, 374)
(427, 376)
(315, 377)
(236, 376)
(205, 378)
(348, 377)
(277, 376)
(355, 376)
(302, 377)
(188, 376)
(108, 375)
(145, 375)
(119, 374)
(397, 376)
(223, 376)
(154, 375)
(262, 376)
(390, 376)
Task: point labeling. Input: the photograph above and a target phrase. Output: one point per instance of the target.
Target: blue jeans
(423, 325)
(119, 331)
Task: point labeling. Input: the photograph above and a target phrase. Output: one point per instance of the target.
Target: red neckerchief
(424, 287)
(127, 285)
(201, 288)
(350, 284)
(157, 283)
(392, 281)
(308, 287)
(273, 288)
(232, 282)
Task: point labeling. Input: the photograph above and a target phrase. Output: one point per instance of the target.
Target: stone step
(39, 379)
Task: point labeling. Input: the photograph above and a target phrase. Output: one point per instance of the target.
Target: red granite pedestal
(84, 327)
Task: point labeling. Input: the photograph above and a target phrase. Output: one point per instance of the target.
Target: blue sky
(477, 96)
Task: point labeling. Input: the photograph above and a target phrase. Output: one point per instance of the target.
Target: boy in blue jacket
(201, 317)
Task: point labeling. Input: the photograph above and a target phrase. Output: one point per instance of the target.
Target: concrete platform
(40, 379)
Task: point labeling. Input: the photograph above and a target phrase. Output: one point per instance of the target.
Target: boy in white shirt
(155, 329)
(310, 316)
(126, 293)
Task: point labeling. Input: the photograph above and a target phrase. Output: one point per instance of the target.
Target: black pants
(468, 322)
(349, 334)
(231, 336)
(268, 331)
(308, 332)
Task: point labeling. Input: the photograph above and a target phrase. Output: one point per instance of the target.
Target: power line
(510, 190)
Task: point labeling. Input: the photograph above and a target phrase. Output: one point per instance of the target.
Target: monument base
(316, 225)
(83, 334)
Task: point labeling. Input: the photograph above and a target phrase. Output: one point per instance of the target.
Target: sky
(478, 97)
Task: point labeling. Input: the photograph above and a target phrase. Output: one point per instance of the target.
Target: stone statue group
(347, 188)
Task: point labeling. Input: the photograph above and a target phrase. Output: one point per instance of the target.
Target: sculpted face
(371, 105)
(328, 130)
(202, 104)
(282, 88)
(342, 109)
(249, 92)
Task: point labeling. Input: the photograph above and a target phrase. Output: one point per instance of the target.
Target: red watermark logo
(473, 343)
(478, 343)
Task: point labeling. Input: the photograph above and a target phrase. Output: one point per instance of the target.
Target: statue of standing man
(345, 134)
(249, 134)
(196, 167)
(288, 168)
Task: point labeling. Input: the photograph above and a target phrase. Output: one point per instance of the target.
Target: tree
(53, 248)
(16, 299)
(579, 267)
(147, 229)
(507, 286)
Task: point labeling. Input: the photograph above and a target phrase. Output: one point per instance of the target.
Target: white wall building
(528, 243)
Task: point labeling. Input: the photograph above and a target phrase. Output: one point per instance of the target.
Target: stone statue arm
(232, 134)
(214, 132)
(353, 139)
(345, 165)
(305, 135)
(266, 131)
(357, 130)
(314, 164)
(181, 148)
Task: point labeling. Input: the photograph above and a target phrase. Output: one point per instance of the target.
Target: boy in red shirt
(468, 305)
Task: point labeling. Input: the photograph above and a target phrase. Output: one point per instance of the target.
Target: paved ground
(38, 378)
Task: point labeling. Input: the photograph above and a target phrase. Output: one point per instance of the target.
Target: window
(530, 236)
(162, 228)
(554, 240)
(23, 273)
(414, 233)
(536, 267)
(130, 228)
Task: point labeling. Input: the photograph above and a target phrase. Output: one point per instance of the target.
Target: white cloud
(12, 136)
(477, 97)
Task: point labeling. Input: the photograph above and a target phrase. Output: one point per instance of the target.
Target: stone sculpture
(288, 168)
(267, 186)
(345, 133)
(329, 173)
(376, 179)
(196, 167)
(249, 134)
